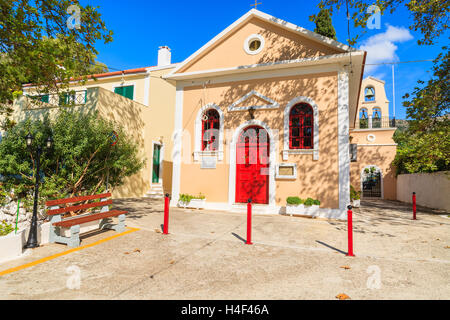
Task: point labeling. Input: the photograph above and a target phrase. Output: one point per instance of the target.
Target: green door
(156, 162)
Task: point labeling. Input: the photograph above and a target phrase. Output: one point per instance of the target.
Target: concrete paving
(205, 257)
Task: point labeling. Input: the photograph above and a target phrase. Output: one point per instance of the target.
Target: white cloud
(381, 76)
(381, 48)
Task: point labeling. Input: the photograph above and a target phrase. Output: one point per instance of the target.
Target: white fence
(432, 189)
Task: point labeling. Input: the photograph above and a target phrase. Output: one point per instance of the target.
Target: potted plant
(355, 197)
(294, 206)
(192, 202)
(312, 206)
(315, 205)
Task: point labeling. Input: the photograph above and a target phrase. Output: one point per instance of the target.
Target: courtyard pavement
(205, 257)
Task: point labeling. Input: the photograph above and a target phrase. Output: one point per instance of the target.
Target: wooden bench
(57, 208)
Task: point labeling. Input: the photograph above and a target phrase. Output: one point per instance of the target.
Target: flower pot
(312, 210)
(193, 204)
(295, 209)
(356, 203)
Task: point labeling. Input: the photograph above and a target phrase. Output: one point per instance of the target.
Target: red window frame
(301, 127)
(211, 121)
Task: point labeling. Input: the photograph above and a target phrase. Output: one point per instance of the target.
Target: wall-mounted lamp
(251, 111)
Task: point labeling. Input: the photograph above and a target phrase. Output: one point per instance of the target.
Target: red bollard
(414, 206)
(166, 214)
(350, 232)
(249, 222)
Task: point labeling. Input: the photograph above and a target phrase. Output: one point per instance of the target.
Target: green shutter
(45, 98)
(119, 90)
(127, 92)
(62, 98)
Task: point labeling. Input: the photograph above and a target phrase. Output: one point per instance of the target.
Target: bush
(80, 163)
(3, 195)
(354, 195)
(309, 202)
(5, 228)
(186, 198)
(316, 203)
(294, 201)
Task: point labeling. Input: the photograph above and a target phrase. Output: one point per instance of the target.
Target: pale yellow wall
(132, 117)
(382, 157)
(161, 119)
(280, 45)
(135, 118)
(157, 118)
(316, 179)
(108, 83)
(381, 100)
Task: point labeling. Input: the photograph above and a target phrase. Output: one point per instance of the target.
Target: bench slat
(80, 207)
(53, 203)
(92, 217)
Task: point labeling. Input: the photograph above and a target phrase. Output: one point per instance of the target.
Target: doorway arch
(269, 169)
(372, 183)
(252, 165)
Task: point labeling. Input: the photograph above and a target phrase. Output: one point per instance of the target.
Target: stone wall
(8, 213)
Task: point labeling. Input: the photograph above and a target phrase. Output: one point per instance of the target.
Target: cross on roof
(256, 4)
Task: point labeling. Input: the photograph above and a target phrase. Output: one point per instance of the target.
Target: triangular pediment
(253, 100)
(281, 41)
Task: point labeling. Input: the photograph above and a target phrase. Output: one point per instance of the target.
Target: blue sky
(140, 27)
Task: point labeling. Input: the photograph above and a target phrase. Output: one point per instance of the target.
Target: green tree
(425, 145)
(81, 162)
(39, 46)
(324, 25)
(98, 67)
(430, 17)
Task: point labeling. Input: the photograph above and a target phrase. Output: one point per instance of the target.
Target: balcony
(375, 123)
(72, 98)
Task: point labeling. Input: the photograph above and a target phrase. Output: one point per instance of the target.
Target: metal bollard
(350, 232)
(166, 214)
(249, 222)
(414, 206)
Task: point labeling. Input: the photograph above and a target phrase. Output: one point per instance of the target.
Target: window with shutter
(45, 98)
(127, 91)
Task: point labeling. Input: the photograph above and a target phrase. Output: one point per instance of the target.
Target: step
(154, 196)
(256, 208)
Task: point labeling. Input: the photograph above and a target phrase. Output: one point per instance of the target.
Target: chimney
(164, 56)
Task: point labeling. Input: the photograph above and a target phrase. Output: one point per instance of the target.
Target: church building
(264, 112)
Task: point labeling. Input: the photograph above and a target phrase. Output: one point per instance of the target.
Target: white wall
(432, 189)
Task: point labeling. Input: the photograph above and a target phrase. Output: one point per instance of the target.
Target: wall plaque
(209, 163)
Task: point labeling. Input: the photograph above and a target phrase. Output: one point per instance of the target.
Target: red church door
(252, 166)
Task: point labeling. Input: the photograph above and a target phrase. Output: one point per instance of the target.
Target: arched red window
(301, 127)
(210, 130)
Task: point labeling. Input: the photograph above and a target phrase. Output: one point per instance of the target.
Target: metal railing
(75, 98)
(375, 123)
